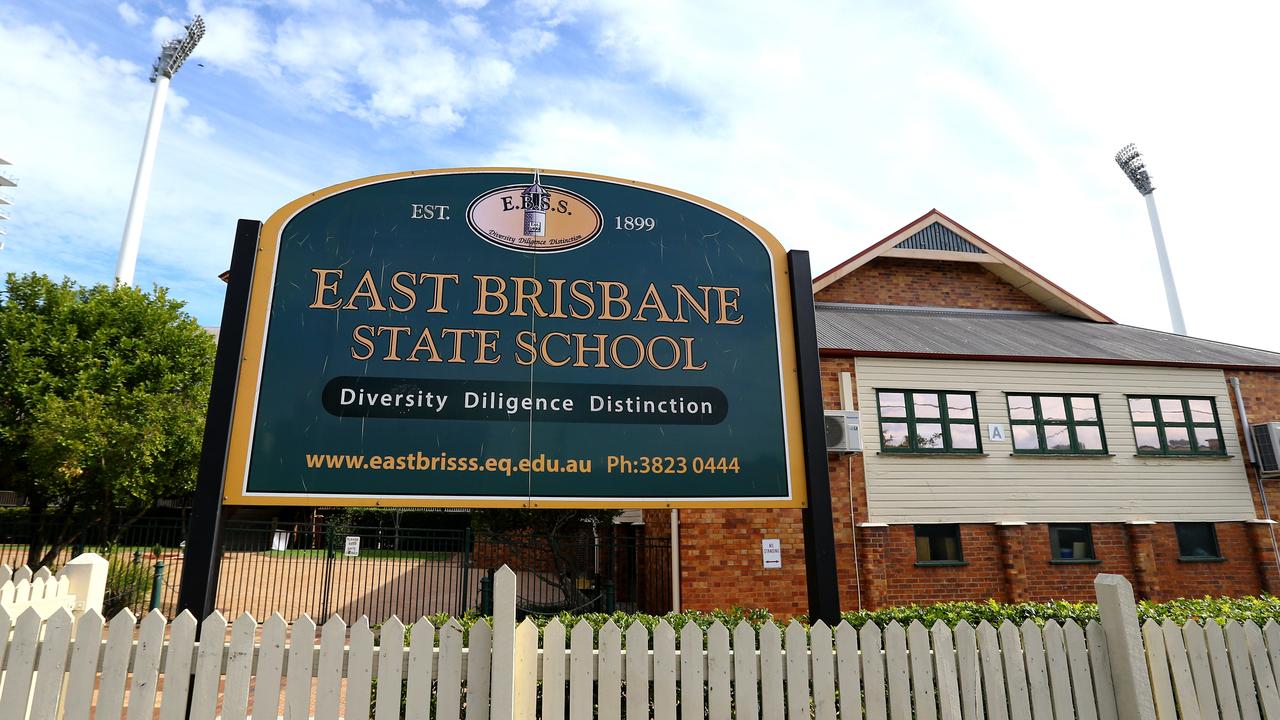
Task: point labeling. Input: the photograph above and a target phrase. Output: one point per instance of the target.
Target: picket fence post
(502, 688)
(1119, 615)
(86, 574)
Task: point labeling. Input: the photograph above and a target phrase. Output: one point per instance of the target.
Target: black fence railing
(323, 568)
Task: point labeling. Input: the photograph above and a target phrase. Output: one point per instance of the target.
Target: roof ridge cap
(944, 309)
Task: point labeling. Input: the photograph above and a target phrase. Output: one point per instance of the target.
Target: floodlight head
(176, 51)
(1130, 161)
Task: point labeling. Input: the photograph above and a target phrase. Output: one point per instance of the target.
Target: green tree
(549, 531)
(102, 403)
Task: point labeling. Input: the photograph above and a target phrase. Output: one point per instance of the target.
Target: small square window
(1071, 542)
(1197, 541)
(938, 544)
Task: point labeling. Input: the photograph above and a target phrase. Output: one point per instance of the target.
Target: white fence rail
(79, 586)
(57, 667)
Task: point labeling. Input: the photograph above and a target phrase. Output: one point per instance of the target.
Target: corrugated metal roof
(895, 329)
(939, 237)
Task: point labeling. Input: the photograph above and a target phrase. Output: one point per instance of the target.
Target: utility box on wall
(842, 431)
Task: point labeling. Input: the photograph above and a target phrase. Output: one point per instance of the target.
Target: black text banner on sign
(500, 337)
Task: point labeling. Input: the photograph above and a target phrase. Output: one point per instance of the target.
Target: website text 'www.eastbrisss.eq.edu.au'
(638, 465)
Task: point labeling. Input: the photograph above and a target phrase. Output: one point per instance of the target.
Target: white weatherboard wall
(1001, 486)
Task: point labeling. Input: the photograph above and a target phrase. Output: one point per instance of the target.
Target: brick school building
(1015, 442)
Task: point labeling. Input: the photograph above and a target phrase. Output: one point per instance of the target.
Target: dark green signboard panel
(495, 337)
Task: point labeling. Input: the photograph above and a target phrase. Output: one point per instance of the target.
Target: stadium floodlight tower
(1130, 161)
(172, 55)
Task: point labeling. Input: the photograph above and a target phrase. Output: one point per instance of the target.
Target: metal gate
(300, 567)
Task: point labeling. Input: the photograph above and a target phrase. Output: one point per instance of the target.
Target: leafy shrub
(1221, 610)
(128, 586)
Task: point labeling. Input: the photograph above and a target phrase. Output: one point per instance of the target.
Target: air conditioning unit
(842, 431)
(1266, 443)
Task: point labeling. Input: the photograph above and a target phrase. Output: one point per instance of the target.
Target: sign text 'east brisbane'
(515, 296)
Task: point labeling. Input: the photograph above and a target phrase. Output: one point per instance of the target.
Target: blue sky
(832, 124)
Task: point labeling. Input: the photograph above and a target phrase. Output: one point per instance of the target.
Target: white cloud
(80, 130)
(234, 38)
(166, 28)
(129, 14)
(468, 4)
(831, 127)
(353, 60)
(833, 133)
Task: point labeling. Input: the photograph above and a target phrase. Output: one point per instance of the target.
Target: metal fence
(324, 567)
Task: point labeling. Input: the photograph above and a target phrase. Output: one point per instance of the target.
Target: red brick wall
(831, 367)
(901, 281)
(1053, 581)
(1261, 393)
(1236, 575)
(981, 578)
(721, 562)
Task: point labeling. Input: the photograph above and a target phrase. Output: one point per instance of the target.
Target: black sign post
(202, 556)
(819, 530)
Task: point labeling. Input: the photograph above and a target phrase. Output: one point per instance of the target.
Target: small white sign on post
(352, 548)
(280, 540)
(995, 432)
(772, 550)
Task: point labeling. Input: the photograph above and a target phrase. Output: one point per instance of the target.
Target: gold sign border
(251, 361)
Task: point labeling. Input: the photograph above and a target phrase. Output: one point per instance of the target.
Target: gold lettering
(368, 290)
(425, 342)
(524, 341)
(546, 356)
(683, 296)
(688, 356)
(585, 299)
(324, 286)
(558, 298)
(484, 293)
(457, 342)
(726, 304)
(361, 338)
(583, 349)
(652, 301)
(608, 300)
(438, 305)
(488, 342)
(675, 352)
(522, 295)
(405, 290)
(613, 351)
(395, 331)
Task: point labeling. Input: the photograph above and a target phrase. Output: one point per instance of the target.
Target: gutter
(846, 352)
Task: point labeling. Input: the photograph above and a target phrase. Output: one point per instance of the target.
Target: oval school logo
(535, 218)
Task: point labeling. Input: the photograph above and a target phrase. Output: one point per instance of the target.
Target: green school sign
(500, 337)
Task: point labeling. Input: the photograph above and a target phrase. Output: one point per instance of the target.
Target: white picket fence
(1056, 672)
(78, 586)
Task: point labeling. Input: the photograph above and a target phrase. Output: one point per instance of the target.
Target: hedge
(1221, 610)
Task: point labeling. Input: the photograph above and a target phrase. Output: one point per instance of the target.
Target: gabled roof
(954, 333)
(934, 236)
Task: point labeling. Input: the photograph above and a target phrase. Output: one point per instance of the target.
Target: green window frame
(1047, 419)
(1176, 425)
(939, 545)
(1197, 541)
(905, 414)
(1071, 543)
